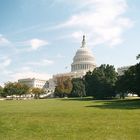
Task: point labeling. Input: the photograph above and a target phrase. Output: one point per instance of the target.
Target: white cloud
(102, 20)
(5, 62)
(23, 72)
(34, 44)
(37, 43)
(77, 35)
(4, 69)
(29, 74)
(25, 68)
(3, 41)
(44, 62)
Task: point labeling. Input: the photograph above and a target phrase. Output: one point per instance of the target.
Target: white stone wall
(32, 82)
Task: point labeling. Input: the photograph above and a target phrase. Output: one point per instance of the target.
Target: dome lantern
(83, 42)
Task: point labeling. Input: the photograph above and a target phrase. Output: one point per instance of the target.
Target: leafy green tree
(132, 77)
(15, 89)
(1, 91)
(137, 79)
(130, 81)
(78, 89)
(122, 86)
(9, 89)
(21, 89)
(88, 82)
(37, 92)
(101, 82)
(64, 86)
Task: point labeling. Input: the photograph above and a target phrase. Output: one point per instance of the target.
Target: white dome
(83, 59)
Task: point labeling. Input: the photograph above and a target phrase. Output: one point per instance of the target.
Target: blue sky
(38, 38)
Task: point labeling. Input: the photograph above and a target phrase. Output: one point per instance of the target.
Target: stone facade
(33, 82)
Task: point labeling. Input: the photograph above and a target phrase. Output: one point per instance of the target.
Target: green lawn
(70, 119)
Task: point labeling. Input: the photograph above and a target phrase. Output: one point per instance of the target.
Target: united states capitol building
(83, 62)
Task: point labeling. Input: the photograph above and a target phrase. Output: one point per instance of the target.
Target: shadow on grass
(118, 104)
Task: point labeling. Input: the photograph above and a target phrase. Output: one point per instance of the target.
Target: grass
(70, 119)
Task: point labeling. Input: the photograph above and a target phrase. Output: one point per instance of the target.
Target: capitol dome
(83, 60)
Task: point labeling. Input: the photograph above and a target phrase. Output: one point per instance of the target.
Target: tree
(8, 89)
(1, 91)
(64, 86)
(15, 89)
(101, 82)
(137, 79)
(88, 82)
(37, 92)
(133, 79)
(78, 89)
(130, 81)
(122, 86)
(21, 89)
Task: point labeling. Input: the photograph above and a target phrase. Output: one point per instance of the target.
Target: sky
(39, 38)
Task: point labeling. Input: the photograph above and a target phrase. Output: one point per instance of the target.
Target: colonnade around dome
(78, 67)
